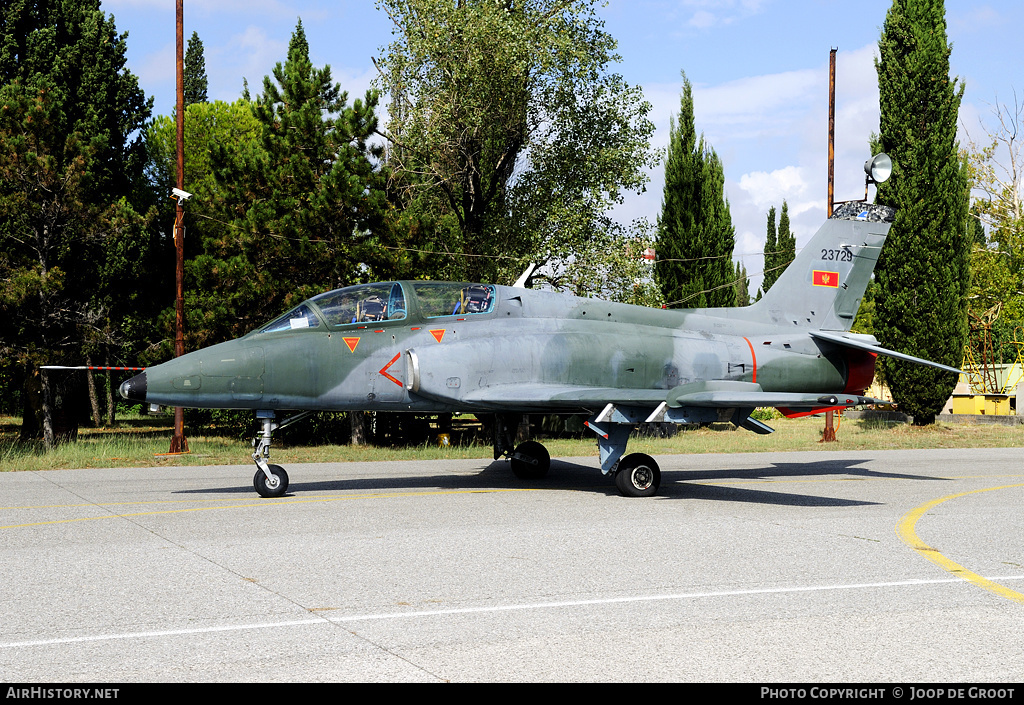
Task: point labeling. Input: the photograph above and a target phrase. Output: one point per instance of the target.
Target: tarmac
(832, 566)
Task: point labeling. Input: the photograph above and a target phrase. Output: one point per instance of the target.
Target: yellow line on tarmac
(267, 503)
(905, 530)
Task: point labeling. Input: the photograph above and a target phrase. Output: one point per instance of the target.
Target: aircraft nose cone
(134, 388)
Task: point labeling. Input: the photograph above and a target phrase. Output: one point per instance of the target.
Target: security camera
(181, 195)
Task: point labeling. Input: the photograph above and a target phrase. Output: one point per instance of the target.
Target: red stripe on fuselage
(753, 359)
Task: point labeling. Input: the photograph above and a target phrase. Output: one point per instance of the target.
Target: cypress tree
(742, 285)
(785, 245)
(770, 254)
(779, 248)
(695, 231)
(195, 72)
(922, 274)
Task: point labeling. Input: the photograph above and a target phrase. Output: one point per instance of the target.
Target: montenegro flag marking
(826, 279)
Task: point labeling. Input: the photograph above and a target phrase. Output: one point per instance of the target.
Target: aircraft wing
(562, 395)
(864, 345)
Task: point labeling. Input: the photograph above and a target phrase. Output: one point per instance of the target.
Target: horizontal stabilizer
(864, 345)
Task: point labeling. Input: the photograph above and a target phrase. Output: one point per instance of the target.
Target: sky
(759, 70)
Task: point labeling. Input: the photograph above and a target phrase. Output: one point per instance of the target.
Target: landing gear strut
(636, 475)
(270, 480)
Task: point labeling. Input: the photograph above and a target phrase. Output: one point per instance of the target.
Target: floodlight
(878, 168)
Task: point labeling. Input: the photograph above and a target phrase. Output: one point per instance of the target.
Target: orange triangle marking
(438, 334)
(351, 343)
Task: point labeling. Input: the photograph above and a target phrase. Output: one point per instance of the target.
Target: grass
(143, 441)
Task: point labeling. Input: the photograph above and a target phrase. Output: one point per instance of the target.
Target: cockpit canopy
(386, 301)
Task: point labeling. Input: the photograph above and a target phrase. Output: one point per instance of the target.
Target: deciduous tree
(507, 114)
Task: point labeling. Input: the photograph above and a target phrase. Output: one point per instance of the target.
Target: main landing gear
(270, 480)
(530, 460)
(636, 475)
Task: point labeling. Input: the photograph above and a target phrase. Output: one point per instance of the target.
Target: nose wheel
(272, 483)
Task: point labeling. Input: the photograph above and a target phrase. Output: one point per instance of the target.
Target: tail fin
(822, 288)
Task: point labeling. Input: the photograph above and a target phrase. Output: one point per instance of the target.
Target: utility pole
(179, 444)
(829, 435)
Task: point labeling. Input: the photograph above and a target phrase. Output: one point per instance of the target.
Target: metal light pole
(179, 444)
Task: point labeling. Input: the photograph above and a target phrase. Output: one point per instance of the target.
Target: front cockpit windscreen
(364, 303)
(298, 318)
(447, 299)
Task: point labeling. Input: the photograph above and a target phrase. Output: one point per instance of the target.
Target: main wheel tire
(638, 476)
(530, 461)
(267, 487)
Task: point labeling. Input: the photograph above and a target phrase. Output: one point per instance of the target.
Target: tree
(779, 248)
(195, 72)
(216, 272)
(923, 275)
(742, 285)
(786, 244)
(70, 186)
(771, 254)
(74, 46)
(510, 135)
(305, 201)
(695, 231)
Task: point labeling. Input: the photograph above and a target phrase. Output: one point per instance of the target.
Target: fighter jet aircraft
(438, 347)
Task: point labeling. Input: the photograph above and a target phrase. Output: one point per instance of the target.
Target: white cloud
(713, 13)
(769, 189)
(702, 19)
(250, 54)
(771, 132)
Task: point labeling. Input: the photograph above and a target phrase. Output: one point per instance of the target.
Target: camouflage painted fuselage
(530, 352)
(438, 347)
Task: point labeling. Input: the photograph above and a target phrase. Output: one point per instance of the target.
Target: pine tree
(922, 274)
(195, 72)
(72, 236)
(74, 47)
(306, 197)
(695, 231)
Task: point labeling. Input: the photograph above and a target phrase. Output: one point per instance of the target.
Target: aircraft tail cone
(134, 388)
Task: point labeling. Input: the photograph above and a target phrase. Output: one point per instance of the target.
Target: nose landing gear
(270, 480)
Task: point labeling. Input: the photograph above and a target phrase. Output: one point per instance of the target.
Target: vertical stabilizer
(822, 288)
